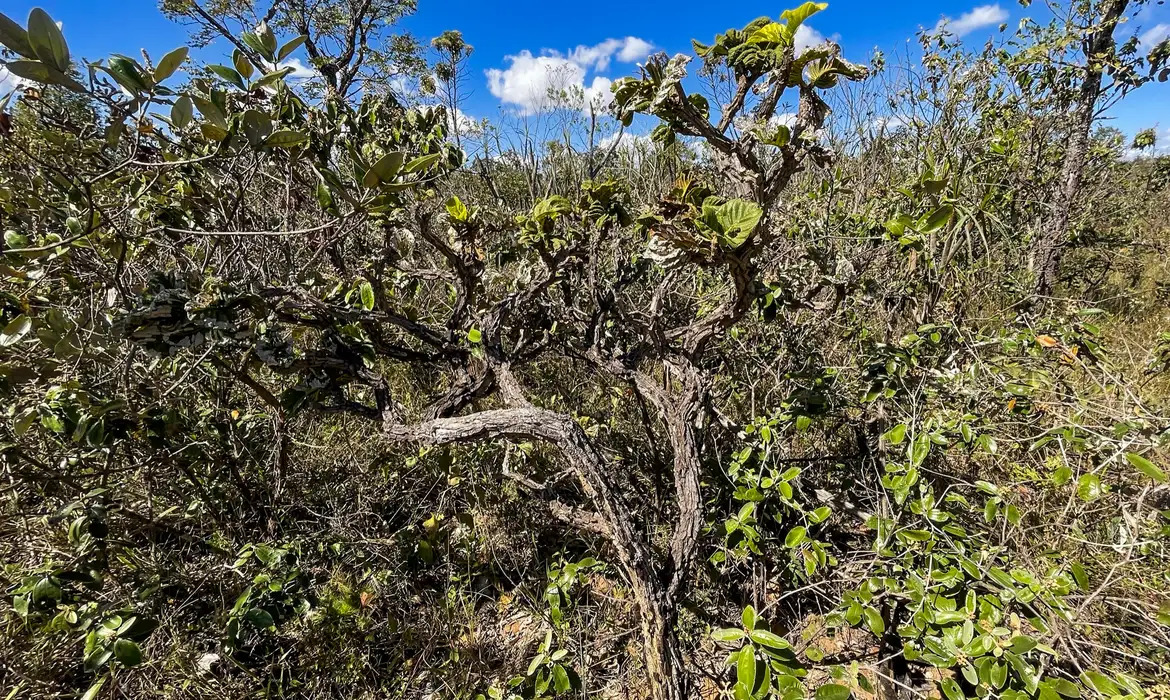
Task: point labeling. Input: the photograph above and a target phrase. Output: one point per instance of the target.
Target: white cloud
(806, 36)
(468, 125)
(300, 70)
(634, 49)
(1154, 36)
(978, 18)
(598, 56)
(598, 95)
(529, 80)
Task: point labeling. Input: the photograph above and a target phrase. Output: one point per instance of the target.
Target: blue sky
(517, 41)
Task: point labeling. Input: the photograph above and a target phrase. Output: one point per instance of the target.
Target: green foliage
(298, 403)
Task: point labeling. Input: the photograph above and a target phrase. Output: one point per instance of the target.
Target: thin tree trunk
(1049, 247)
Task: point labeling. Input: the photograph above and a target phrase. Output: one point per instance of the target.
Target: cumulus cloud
(806, 36)
(468, 125)
(977, 18)
(300, 70)
(529, 80)
(1154, 36)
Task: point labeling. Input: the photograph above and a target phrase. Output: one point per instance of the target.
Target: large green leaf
(127, 73)
(181, 112)
(385, 169)
(833, 691)
(168, 64)
(286, 139)
(733, 221)
(798, 16)
(290, 47)
(229, 74)
(43, 73)
(16, 329)
(15, 37)
(127, 653)
(47, 40)
(1146, 467)
(745, 669)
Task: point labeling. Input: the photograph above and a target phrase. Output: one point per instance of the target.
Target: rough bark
(1050, 244)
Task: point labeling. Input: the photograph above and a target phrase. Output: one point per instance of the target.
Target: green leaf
(212, 132)
(290, 47)
(474, 335)
(951, 690)
(771, 33)
(795, 536)
(256, 126)
(457, 210)
(937, 219)
(919, 449)
(745, 669)
(1100, 682)
(253, 41)
(1079, 575)
(1065, 688)
(182, 112)
(127, 73)
(915, 535)
(267, 39)
(286, 139)
(537, 662)
(728, 634)
(242, 65)
(367, 294)
(769, 639)
(733, 221)
(16, 329)
(385, 170)
(271, 78)
(47, 41)
(42, 73)
(421, 163)
(127, 653)
(229, 74)
(95, 689)
(896, 434)
(833, 691)
(874, 621)
(15, 37)
(170, 63)
(796, 17)
(97, 658)
(259, 617)
(1146, 467)
(1023, 644)
(1089, 487)
(561, 679)
(211, 112)
(749, 618)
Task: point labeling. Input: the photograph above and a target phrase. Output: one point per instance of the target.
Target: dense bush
(871, 397)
